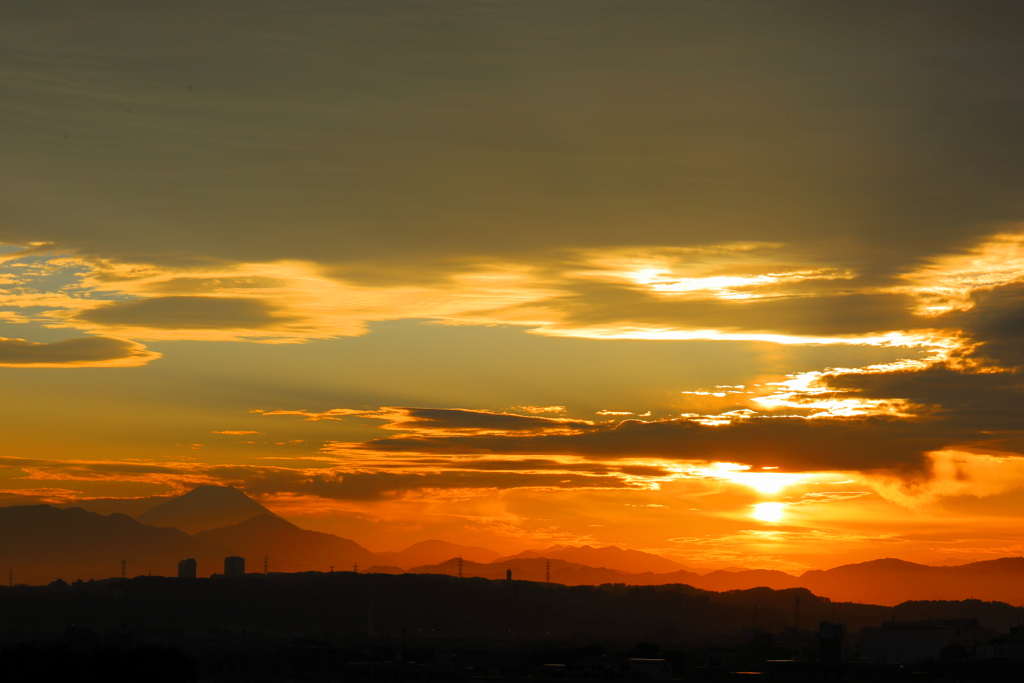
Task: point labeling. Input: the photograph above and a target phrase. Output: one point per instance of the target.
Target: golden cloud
(721, 292)
(952, 473)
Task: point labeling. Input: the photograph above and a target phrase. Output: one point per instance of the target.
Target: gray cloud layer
(77, 352)
(187, 312)
(793, 443)
(431, 419)
(841, 313)
(362, 133)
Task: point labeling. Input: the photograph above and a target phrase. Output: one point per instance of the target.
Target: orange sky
(733, 283)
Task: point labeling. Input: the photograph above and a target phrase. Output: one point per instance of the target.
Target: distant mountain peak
(611, 557)
(434, 551)
(886, 562)
(434, 543)
(205, 507)
(213, 492)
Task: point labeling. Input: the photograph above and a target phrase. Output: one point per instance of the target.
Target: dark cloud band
(74, 353)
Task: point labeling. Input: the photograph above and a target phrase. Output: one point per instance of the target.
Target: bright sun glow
(765, 482)
(769, 512)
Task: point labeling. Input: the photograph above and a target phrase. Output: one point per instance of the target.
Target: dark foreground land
(397, 628)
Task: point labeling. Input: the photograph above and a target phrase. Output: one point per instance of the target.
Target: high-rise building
(234, 566)
(187, 569)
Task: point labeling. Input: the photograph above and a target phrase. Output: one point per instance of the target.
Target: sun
(769, 512)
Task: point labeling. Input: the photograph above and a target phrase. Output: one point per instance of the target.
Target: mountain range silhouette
(434, 552)
(41, 543)
(611, 557)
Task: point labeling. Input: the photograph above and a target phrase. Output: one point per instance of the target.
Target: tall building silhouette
(830, 640)
(234, 566)
(187, 569)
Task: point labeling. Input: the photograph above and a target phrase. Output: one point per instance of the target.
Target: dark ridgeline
(345, 626)
(881, 582)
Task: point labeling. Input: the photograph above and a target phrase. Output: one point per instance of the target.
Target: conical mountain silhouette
(204, 507)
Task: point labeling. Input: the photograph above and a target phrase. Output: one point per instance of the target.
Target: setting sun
(769, 512)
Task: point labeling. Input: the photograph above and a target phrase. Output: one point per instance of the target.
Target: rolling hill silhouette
(434, 552)
(723, 580)
(891, 581)
(611, 557)
(204, 507)
(878, 582)
(563, 572)
(288, 547)
(41, 543)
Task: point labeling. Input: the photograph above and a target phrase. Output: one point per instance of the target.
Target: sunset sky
(737, 282)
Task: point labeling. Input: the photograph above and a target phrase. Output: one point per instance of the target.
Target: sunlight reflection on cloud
(947, 282)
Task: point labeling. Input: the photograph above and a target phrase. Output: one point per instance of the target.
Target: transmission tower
(355, 567)
(266, 564)
(10, 577)
(123, 564)
(460, 566)
(547, 571)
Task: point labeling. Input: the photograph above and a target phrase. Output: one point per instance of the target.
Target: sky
(737, 282)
